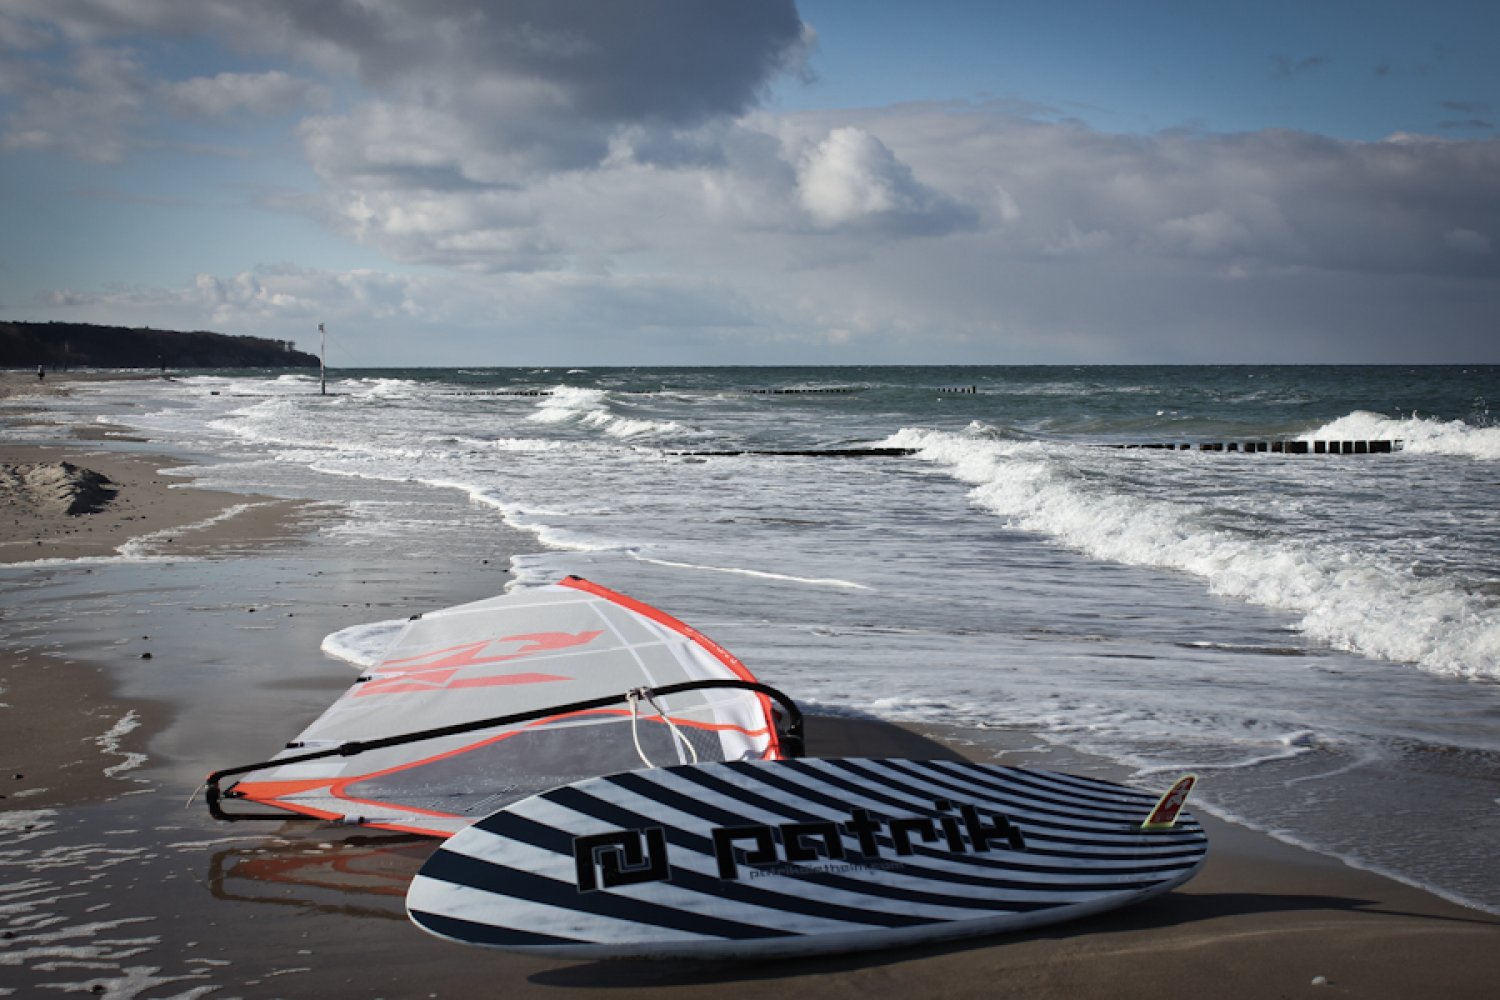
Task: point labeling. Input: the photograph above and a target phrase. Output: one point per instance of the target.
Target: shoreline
(82, 748)
(147, 502)
(1263, 918)
(149, 513)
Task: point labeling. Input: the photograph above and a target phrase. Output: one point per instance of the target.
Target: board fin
(1164, 814)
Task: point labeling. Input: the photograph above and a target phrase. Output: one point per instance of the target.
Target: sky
(696, 182)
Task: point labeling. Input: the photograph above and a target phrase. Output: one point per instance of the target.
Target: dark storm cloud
(678, 61)
(540, 84)
(516, 88)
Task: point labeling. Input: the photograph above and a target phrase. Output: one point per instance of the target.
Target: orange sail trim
(661, 617)
(656, 614)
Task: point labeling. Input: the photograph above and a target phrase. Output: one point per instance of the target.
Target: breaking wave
(590, 409)
(1350, 599)
(1421, 435)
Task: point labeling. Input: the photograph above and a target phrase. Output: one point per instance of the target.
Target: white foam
(87, 561)
(109, 742)
(20, 825)
(1420, 435)
(1350, 599)
(201, 845)
(363, 645)
(135, 981)
(550, 536)
(523, 445)
(568, 404)
(147, 547)
(759, 574)
(590, 408)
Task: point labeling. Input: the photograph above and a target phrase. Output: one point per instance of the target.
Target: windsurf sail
(483, 704)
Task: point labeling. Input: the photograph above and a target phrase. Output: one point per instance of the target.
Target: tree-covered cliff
(84, 345)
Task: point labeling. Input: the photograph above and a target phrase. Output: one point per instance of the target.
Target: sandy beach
(122, 684)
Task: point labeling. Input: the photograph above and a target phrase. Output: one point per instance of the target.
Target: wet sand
(111, 886)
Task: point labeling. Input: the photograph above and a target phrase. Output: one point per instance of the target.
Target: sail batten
(567, 644)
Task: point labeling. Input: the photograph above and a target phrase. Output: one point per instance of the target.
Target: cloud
(1474, 123)
(19, 33)
(87, 107)
(99, 102)
(851, 179)
(1284, 67)
(1466, 125)
(1465, 107)
(269, 93)
(287, 296)
(377, 317)
(1265, 200)
(468, 94)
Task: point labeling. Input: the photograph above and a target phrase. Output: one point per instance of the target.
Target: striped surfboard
(797, 857)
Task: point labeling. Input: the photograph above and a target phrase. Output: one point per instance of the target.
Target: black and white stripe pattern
(513, 881)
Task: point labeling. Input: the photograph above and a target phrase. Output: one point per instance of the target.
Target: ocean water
(1317, 635)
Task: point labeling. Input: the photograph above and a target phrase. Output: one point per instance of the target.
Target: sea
(1316, 635)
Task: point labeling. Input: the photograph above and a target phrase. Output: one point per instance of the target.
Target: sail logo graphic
(453, 667)
(631, 857)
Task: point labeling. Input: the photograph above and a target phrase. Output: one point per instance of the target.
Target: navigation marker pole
(322, 356)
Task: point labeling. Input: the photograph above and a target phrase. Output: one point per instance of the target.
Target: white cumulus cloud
(852, 179)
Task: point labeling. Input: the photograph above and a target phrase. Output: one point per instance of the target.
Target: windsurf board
(797, 857)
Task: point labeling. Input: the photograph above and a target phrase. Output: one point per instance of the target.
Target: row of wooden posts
(1283, 447)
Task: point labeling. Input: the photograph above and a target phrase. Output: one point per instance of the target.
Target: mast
(322, 359)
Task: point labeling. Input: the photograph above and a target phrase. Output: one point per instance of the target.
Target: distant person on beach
(41, 372)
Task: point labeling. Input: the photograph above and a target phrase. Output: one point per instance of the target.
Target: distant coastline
(87, 345)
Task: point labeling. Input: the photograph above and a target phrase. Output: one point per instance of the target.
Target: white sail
(523, 652)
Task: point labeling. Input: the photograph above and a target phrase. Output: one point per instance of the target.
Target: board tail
(1164, 814)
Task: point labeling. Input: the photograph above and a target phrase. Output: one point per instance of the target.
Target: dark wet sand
(110, 886)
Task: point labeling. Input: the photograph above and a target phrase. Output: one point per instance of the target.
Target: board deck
(797, 857)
